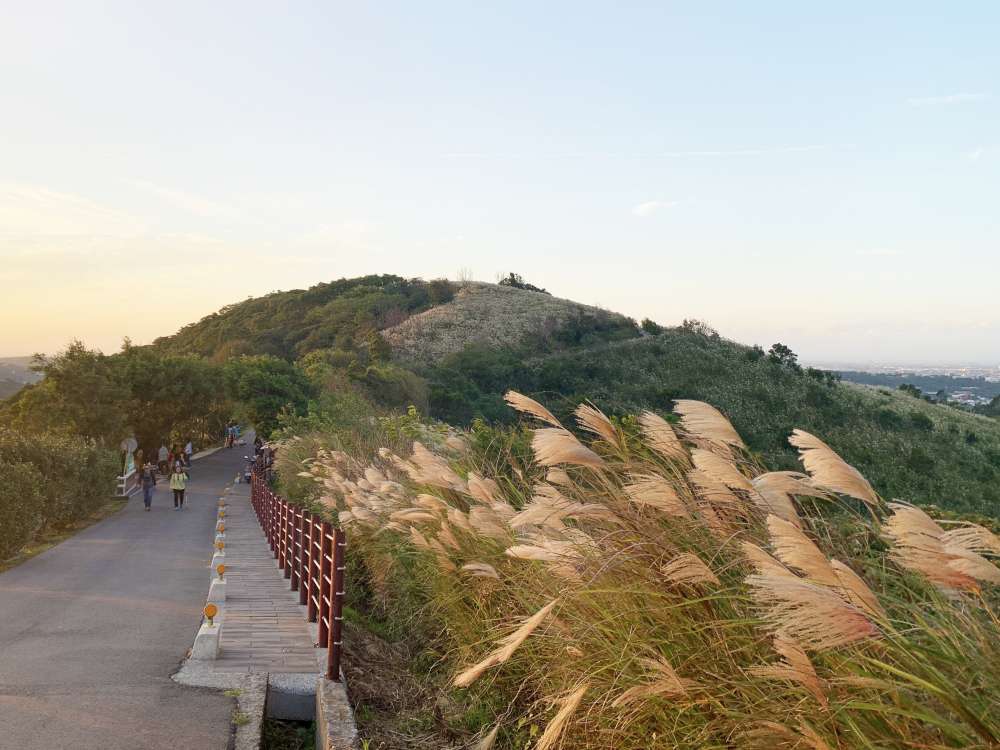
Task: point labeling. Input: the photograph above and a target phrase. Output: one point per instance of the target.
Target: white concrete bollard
(206, 643)
(219, 558)
(220, 537)
(217, 591)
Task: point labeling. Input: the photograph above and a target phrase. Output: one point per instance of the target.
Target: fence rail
(310, 551)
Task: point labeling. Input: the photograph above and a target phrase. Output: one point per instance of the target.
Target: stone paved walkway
(264, 628)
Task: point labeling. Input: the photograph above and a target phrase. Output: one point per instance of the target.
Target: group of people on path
(168, 457)
(172, 462)
(232, 434)
(178, 484)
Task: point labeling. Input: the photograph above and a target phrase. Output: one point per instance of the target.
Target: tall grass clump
(651, 585)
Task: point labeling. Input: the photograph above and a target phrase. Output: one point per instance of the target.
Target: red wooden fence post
(315, 565)
(336, 639)
(325, 583)
(286, 540)
(304, 556)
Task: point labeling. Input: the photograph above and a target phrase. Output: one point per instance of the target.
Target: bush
(651, 327)
(78, 475)
(265, 386)
(516, 281)
(440, 291)
(21, 502)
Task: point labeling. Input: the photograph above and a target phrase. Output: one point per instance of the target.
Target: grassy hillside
(469, 344)
(494, 316)
(339, 314)
(909, 448)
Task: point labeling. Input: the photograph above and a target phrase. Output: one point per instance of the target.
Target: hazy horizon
(820, 176)
(845, 364)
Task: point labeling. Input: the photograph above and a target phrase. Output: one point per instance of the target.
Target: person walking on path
(178, 483)
(147, 478)
(188, 452)
(163, 459)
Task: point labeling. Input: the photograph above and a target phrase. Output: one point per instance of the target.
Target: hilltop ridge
(489, 315)
(456, 348)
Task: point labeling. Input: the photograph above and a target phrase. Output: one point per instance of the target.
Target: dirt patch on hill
(487, 314)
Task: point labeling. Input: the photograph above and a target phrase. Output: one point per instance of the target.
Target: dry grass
(662, 590)
(488, 314)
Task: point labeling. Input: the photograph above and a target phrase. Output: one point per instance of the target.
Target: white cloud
(934, 101)
(752, 151)
(29, 211)
(189, 202)
(880, 252)
(651, 207)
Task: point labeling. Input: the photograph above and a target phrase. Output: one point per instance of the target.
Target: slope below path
(91, 630)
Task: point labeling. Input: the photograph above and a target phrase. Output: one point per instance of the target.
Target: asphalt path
(92, 629)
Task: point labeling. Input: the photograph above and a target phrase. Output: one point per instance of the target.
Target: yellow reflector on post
(221, 568)
(220, 545)
(210, 612)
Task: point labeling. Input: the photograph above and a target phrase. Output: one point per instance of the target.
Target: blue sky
(823, 176)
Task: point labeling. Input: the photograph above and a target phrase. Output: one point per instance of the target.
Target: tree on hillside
(783, 355)
(517, 281)
(265, 386)
(914, 391)
(173, 397)
(992, 409)
(651, 327)
(82, 393)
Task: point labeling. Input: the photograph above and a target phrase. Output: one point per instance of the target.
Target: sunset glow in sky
(822, 175)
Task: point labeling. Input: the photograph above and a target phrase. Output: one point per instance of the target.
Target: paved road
(91, 630)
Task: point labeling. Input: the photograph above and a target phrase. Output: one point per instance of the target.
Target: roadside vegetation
(652, 584)
(452, 350)
(60, 438)
(929, 453)
(49, 483)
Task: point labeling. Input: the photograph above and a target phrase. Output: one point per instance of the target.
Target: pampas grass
(553, 732)
(829, 470)
(554, 446)
(794, 667)
(705, 423)
(661, 438)
(650, 588)
(531, 407)
(507, 648)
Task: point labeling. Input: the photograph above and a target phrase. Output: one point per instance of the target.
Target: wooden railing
(310, 551)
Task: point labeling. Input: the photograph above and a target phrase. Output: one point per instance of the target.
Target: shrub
(651, 327)
(78, 474)
(516, 281)
(440, 291)
(21, 503)
(889, 419)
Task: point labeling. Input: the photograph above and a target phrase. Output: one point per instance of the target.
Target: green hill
(340, 314)
(465, 345)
